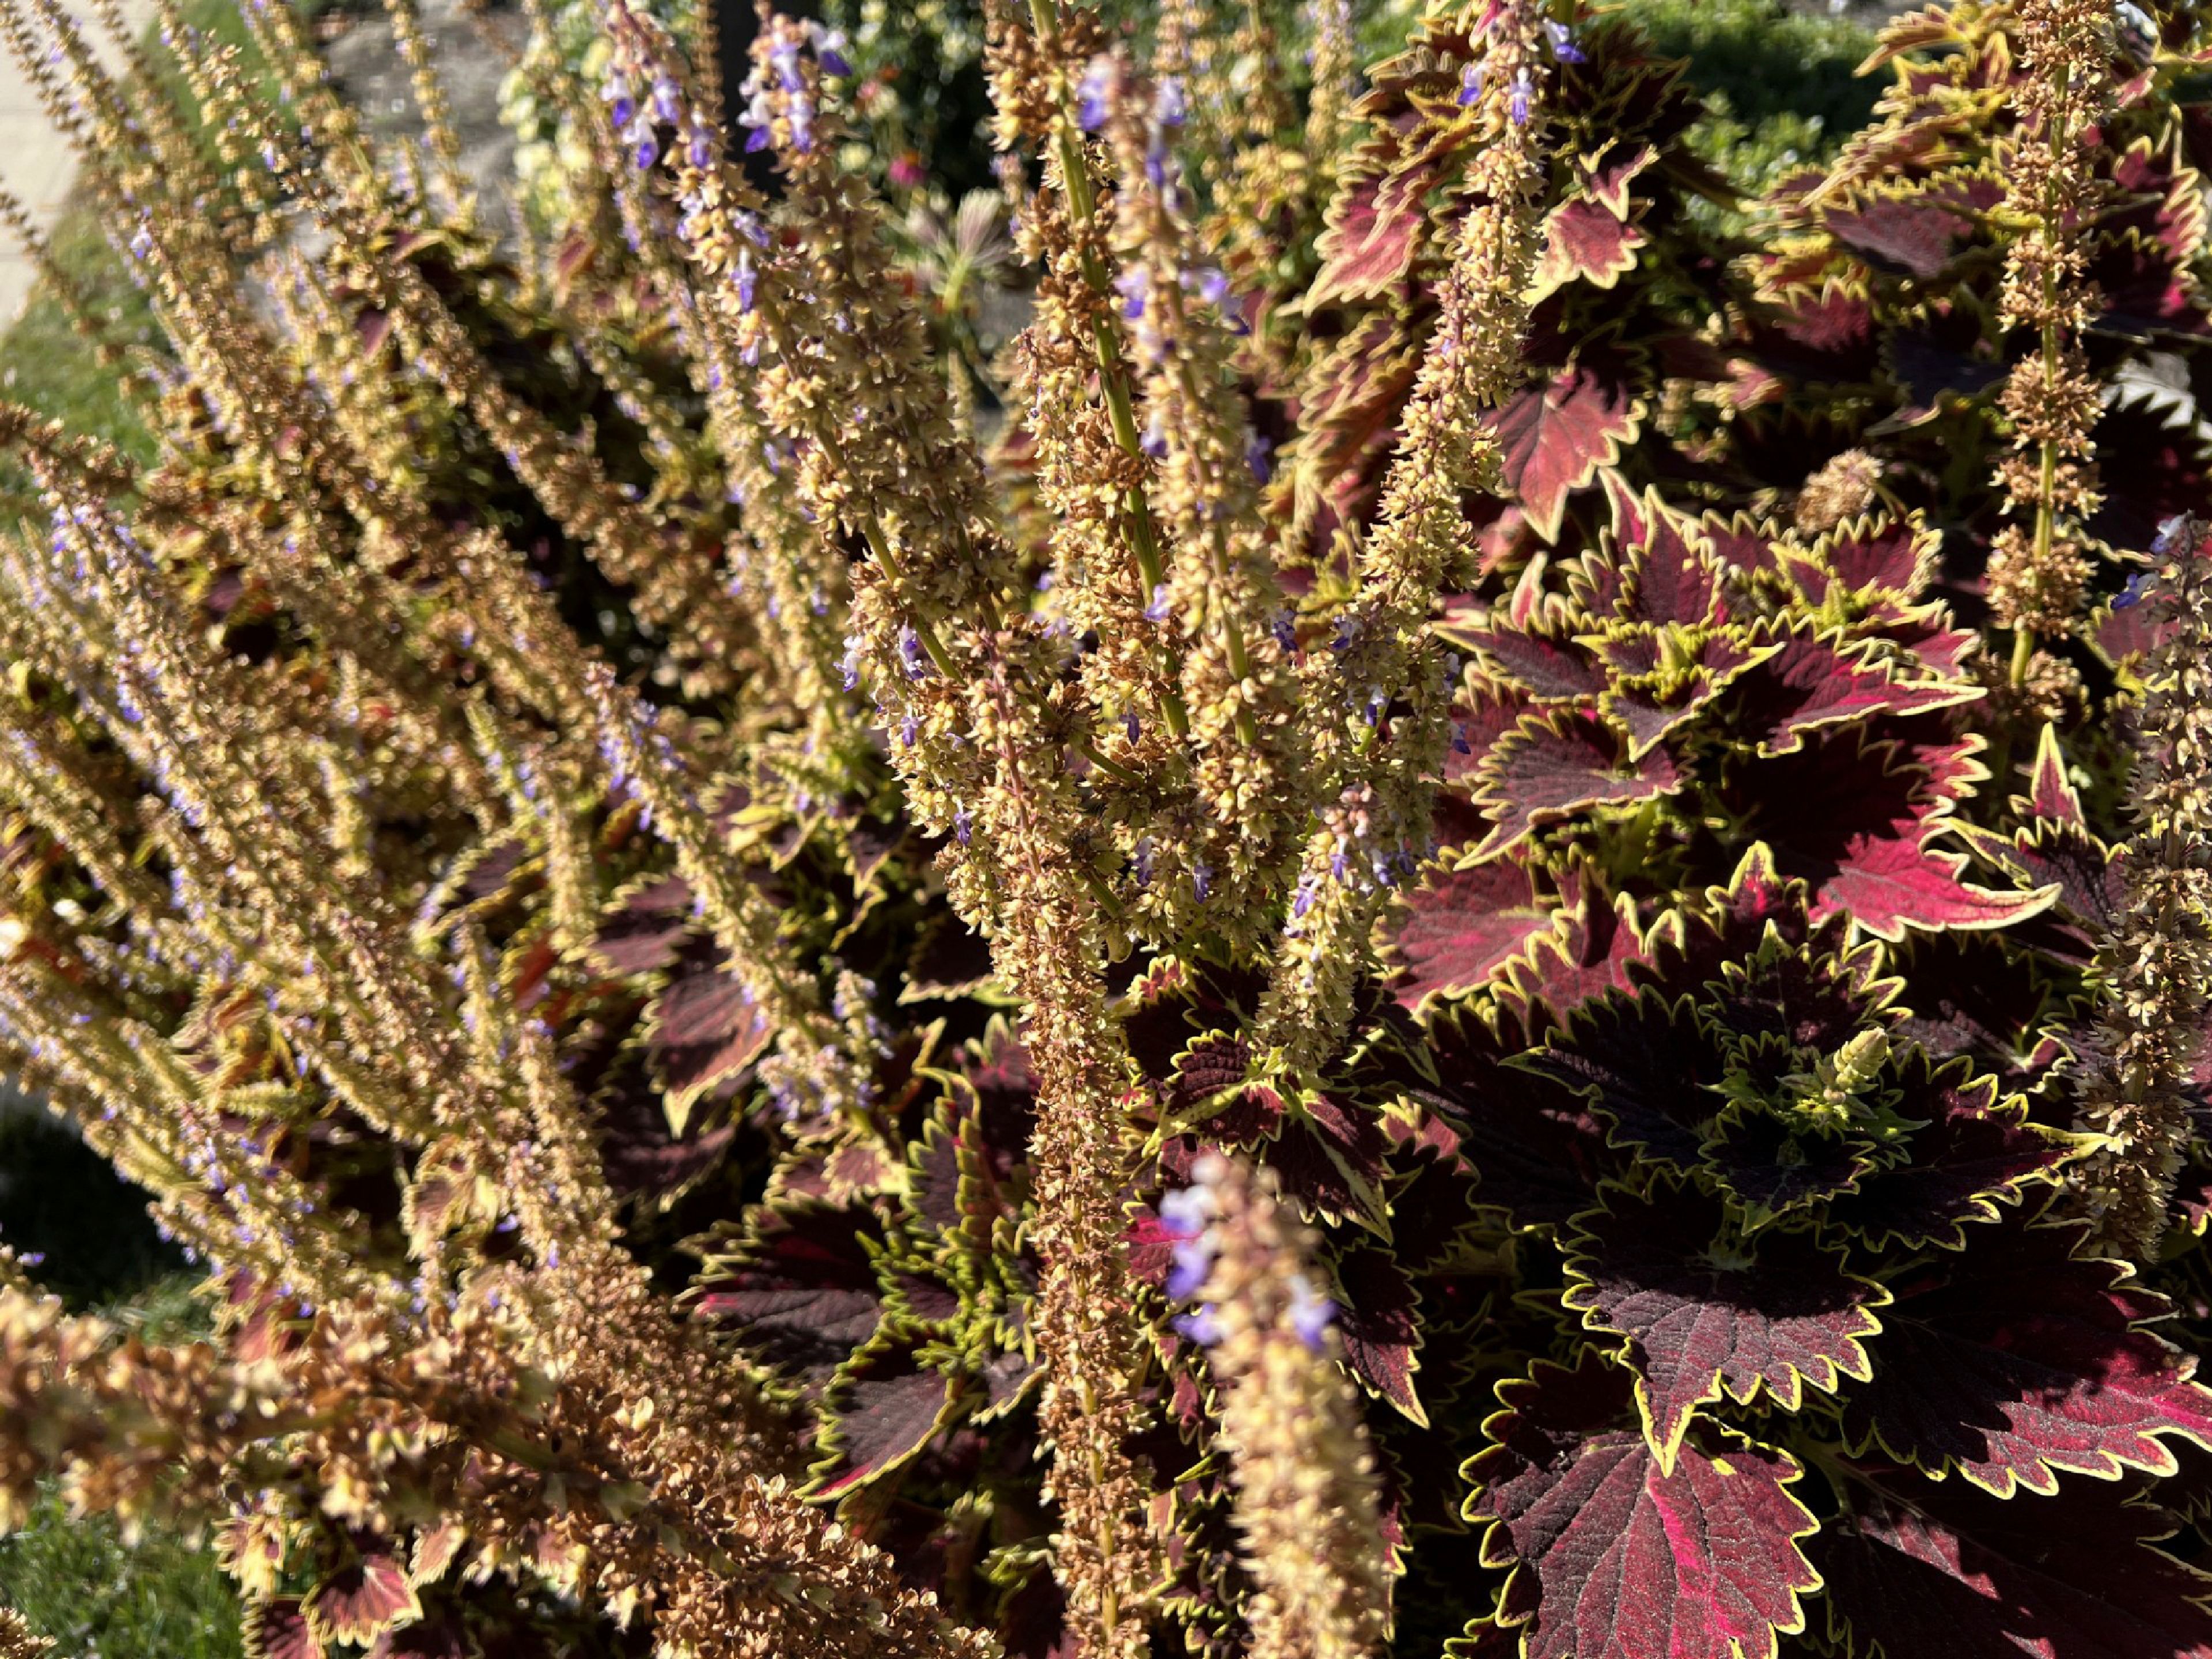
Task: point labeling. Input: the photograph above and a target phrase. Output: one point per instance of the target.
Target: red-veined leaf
(1702, 1315)
(1614, 1558)
(1554, 436)
(1549, 766)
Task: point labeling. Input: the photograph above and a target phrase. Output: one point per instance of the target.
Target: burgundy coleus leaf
(1549, 667)
(646, 927)
(1772, 1167)
(1904, 234)
(1969, 995)
(803, 1293)
(278, 1629)
(2088, 879)
(2052, 795)
(1373, 231)
(1855, 819)
(1645, 1065)
(2018, 1359)
(1703, 1311)
(643, 1157)
(1895, 557)
(1615, 1557)
(356, 1602)
(1910, 1563)
(1537, 1150)
(1554, 435)
(1377, 1319)
(1212, 1086)
(1663, 678)
(1586, 242)
(1552, 766)
(883, 1409)
(1669, 580)
(1459, 927)
(1590, 950)
(1330, 1156)
(1807, 681)
(705, 1028)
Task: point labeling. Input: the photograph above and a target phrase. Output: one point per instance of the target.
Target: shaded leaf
(2019, 1359)
(1704, 1311)
(2072, 1576)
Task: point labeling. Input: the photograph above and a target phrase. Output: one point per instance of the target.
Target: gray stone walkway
(36, 165)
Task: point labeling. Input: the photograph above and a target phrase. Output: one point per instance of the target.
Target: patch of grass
(99, 1597)
(1780, 87)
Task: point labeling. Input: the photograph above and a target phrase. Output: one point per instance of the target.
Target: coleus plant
(1684, 1250)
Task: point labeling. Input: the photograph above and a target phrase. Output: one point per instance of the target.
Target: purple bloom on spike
(1133, 285)
(624, 112)
(1260, 456)
(1304, 900)
(1154, 443)
(849, 664)
(1185, 1210)
(2136, 591)
(1284, 630)
(1093, 94)
(784, 57)
(1459, 744)
(1142, 864)
(1524, 91)
(1158, 611)
(1169, 107)
(913, 652)
(1202, 880)
(647, 154)
(667, 103)
(801, 117)
(701, 151)
(1201, 1328)
(2168, 533)
(1311, 1313)
(963, 825)
(1132, 727)
(1562, 43)
(143, 243)
(756, 141)
(909, 731)
(748, 280)
(1194, 1261)
(829, 49)
(1470, 85)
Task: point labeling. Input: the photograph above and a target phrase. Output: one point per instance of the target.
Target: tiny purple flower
(913, 652)
(1170, 108)
(1523, 92)
(1201, 1328)
(963, 825)
(1562, 43)
(1159, 610)
(1311, 1313)
(667, 101)
(1142, 864)
(909, 731)
(1260, 456)
(1132, 727)
(1154, 443)
(701, 150)
(1093, 93)
(1284, 630)
(829, 51)
(1134, 285)
(1202, 880)
(783, 56)
(748, 280)
(849, 664)
(1304, 900)
(1470, 85)
(624, 112)
(647, 154)
(2136, 591)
